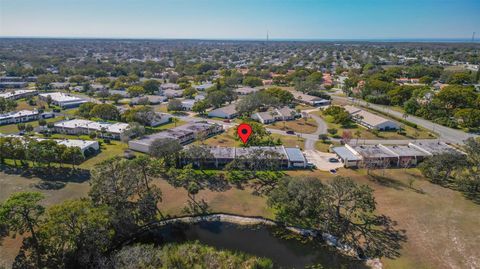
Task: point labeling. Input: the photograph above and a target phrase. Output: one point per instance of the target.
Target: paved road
(445, 133)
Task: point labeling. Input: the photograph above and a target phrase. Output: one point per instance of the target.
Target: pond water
(262, 241)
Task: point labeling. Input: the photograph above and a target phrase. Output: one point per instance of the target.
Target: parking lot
(321, 160)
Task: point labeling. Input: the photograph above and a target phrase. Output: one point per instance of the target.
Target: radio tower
(473, 37)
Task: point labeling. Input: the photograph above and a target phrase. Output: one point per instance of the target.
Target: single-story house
(245, 90)
(204, 86)
(309, 99)
(370, 120)
(62, 99)
(277, 114)
(226, 112)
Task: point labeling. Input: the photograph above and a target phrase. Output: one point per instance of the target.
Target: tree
(332, 131)
(200, 107)
(121, 185)
(73, 155)
(133, 130)
(259, 136)
(165, 148)
(28, 128)
(252, 81)
(174, 105)
(135, 91)
(439, 168)
(7, 105)
(21, 213)
(151, 86)
(216, 98)
(105, 112)
(21, 127)
(75, 233)
(284, 97)
(469, 178)
(189, 92)
(115, 98)
(341, 208)
(339, 114)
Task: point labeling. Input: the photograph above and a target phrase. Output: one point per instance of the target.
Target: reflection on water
(256, 240)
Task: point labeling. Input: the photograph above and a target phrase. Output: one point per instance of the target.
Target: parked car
(333, 171)
(333, 160)
(311, 166)
(290, 132)
(227, 121)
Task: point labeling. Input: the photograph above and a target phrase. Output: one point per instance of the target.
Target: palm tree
(175, 120)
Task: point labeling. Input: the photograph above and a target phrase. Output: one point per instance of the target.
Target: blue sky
(242, 19)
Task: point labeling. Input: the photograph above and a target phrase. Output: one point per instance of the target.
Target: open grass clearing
(299, 125)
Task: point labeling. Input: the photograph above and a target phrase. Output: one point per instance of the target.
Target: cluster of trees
(7, 105)
(456, 170)
(341, 208)
(39, 153)
(453, 106)
(338, 114)
(264, 99)
(457, 105)
(102, 111)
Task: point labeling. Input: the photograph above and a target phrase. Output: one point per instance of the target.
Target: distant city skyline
(247, 19)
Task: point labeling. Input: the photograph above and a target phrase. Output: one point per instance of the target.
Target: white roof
(16, 114)
(79, 123)
(61, 97)
(7, 95)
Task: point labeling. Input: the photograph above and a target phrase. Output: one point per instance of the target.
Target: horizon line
(376, 39)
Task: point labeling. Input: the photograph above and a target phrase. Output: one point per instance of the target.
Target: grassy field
(298, 125)
(441, 225)
(324, 147)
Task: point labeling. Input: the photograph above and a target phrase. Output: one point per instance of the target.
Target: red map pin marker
(244, 131)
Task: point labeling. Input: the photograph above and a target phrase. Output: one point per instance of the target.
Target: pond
(258, 240)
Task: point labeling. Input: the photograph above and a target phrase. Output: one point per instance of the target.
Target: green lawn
(12, 128)
(298, 125)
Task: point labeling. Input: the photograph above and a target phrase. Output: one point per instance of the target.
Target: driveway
(320, 160)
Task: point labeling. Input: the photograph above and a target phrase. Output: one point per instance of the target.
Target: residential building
(171, 86)
(19, 116)
(226, 112)
(63, 100)
(148, 99)
(86, 127)
(84, 145)
(188, 104)
(15, 85)
(382, 156)
(370, 120)
(286, 158)
(160, 118)
(185, 134)
(245, 90)
(18, 94)
(276, 114)
(170, 93)
(309, 99)
(204, 86)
